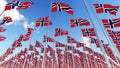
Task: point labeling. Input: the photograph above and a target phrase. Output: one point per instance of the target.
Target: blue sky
(41, 8)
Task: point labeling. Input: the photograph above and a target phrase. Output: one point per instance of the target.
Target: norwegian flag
(31, 48)
(11, 5)
(76, 51)
(16, 43)
(52, 53)
(24, 5)
(59, 51)
(58, 44)
(25, 51)
(29, 30)
(69, 48)
(26, 37)
(48, 39)
(38, 44)
(111, 23)
(2, 29)
(22, 53)
(43, 22)
(107, 8)
(79, 22)
(109, 52)
(61, 7)
(88, 32)
(21, 37)
(9, 51)
(79, 44)
(36, 52)
(118, 47)
(28, 57)
(2, 38)
(115, 36)
(49, 48)
(6, 20)
(71, 40)
(42, 50)
(116, 41)
(60, 32)
(18, 5)
(95, 41)
(88, 49)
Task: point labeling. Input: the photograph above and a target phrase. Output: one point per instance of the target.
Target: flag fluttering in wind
(95, 41)
(61, 7)
(88, 32)
(58, 44)
(6, 20)
(60, 32)
(48, 39)
(16, 44)
(106, 8)
(43, 22)
(71, 40)
(115, 36)
(2, 38)
(2, 29)
(79, 22)
(111, 23)
(18, 5)
(80, 44)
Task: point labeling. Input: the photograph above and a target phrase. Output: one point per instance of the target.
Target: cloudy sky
(41, 8)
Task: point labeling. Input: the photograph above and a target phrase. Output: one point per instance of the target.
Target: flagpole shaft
(1, 13)
(24, 62)
(13, 64)
(73, 58)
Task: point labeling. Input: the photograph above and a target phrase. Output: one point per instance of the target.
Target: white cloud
(26, 25)
(14, 14)
(86, 41)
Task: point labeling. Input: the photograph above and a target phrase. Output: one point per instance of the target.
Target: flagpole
(10, 62)
(101, 46)
(24, 62)
(73, 58)
(1, 13)
(13, 63)
(56, 57)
